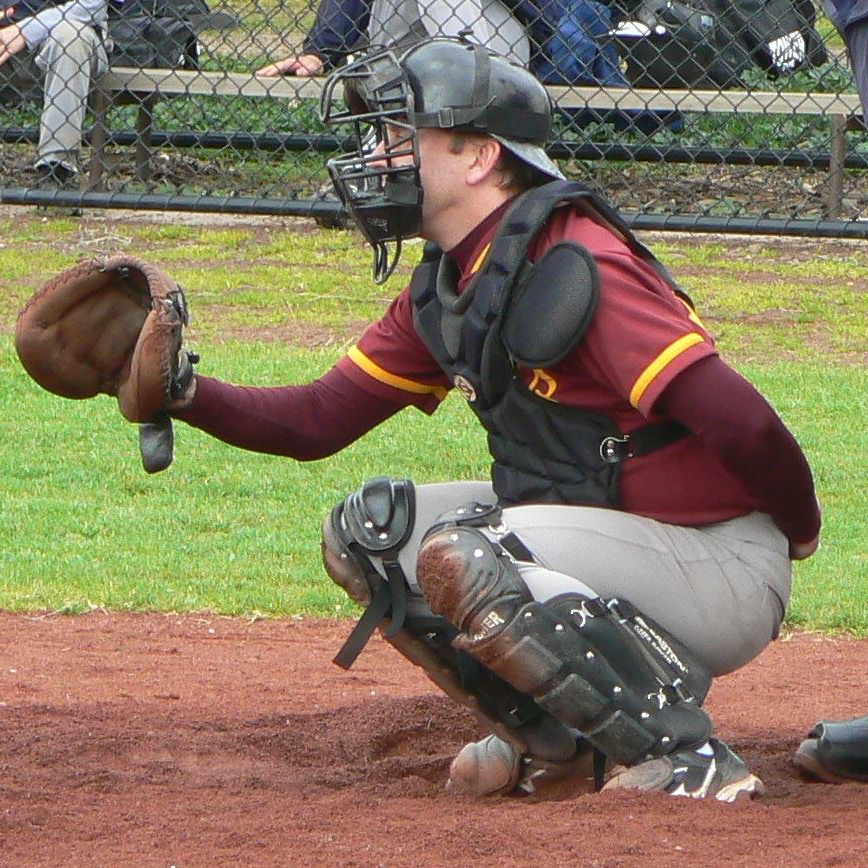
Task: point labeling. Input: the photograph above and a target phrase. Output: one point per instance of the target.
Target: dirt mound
(194, 740)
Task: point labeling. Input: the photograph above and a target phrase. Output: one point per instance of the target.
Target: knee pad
(461, 567)
(375, 521)
(600, 666)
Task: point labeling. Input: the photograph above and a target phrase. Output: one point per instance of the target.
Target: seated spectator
(580, 51)
(55, 48)
(562, 42)
(344, 26)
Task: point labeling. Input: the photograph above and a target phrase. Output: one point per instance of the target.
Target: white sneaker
(717, 772)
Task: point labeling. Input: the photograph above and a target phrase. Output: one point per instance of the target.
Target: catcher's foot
(494, 767)
(835, 752)
(713, 771)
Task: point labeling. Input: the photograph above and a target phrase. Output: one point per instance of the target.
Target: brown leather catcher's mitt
(112, 326)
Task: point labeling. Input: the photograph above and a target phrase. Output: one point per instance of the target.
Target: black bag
(711, 43)
(155, 33)
(779, 35)
(685, 46)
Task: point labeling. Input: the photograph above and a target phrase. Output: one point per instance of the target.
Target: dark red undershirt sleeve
(734, 421)
(303, 422)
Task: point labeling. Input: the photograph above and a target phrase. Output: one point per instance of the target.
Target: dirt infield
(159, 740)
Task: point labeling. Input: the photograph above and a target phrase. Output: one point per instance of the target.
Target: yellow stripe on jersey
(481, 258)
(405, 385)
(675, 349)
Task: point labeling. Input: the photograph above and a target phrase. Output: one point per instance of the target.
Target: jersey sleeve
(391, 362)
(642, 335)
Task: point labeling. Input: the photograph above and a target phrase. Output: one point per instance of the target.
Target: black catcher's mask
(388, 95)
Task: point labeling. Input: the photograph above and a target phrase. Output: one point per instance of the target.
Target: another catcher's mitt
(112, 326)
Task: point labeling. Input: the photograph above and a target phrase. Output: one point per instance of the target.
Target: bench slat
(728, 101)
(178, 82)
(149, 85)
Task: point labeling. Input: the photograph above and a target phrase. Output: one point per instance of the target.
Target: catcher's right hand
(112, 326)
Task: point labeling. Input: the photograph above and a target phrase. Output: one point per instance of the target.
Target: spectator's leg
(857, 44)
(70, 58)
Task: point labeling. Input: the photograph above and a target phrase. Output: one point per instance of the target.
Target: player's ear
(486, 157)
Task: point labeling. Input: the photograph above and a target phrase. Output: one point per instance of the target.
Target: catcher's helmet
(442, 83)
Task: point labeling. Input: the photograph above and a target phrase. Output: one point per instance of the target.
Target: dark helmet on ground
(438, 83)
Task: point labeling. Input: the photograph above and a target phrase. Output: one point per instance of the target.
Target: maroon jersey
(645, 357)
(641, 337)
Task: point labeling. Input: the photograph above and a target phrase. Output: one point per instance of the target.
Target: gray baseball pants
(721, 589)
(65, 64)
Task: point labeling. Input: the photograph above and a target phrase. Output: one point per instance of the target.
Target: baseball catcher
(635, 537)
(112, 326)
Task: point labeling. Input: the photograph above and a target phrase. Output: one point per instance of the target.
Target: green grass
(825, 408)
(82, 525)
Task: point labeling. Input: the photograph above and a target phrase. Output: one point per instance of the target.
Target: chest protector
(514, 313)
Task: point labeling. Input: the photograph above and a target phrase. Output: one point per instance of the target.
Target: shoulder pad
(552, 309)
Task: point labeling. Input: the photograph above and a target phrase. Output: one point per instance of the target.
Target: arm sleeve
(339, 25)
(734, 421)
(36, 28)
(303, 422)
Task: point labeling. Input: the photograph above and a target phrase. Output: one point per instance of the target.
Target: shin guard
(496, 704)
(376, 521)
(597, 665)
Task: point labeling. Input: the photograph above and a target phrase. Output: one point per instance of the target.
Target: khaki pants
(63, 68)
(490, 22)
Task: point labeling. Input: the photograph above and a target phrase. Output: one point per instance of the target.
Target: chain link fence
(733, 116)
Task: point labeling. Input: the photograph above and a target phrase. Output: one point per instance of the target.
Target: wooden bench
(147, 86)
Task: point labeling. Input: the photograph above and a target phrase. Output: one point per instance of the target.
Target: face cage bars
(373, 182)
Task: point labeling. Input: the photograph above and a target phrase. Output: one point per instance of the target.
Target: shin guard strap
(377, 521)
(364, 628)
